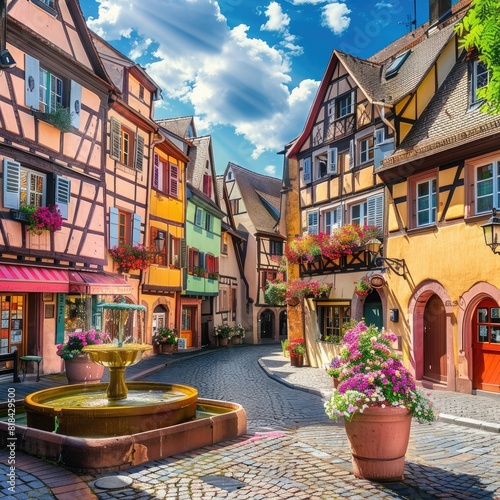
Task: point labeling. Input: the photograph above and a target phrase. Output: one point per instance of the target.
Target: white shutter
(11, 184)
(63, 194)
(338, 217)
(352, 152)
(75, 103)
(32, 81)
(375, 209)
(115, 140)
(312, 223)
(306, 166)
(332, 160)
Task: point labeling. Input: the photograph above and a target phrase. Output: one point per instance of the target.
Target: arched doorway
(372, 310)
(435, 358)
(160, 318)
(486, 346)
(267, 325)
(283, 325)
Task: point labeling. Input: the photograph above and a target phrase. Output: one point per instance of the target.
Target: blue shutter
(11, 183)
(332, 160)
(32, 82)
(136, 230)
(63, 194)
(307, 170)
(113, 227)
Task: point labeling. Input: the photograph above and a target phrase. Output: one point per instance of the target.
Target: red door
(435, 362)
(486, 346)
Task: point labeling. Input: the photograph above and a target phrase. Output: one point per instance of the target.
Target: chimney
(437, 10)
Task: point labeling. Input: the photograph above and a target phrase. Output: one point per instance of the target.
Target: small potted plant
(362, 287)
(376, 397)
(238, 333)
(297, 350)
(41, 218)
(130, 258)
(166, 340)
(79, 367)
(223, 332)
(334, 369)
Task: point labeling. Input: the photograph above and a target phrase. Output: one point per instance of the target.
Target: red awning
(98, 283)
(32, 279)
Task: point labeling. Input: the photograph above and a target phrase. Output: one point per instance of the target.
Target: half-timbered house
(254, 201)
(53, 108)
(363, 109)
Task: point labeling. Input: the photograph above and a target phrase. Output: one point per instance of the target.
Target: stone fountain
(103, 427)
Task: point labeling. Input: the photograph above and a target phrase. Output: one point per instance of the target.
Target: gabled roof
(369, 74)
(261, 196)
(183, 126)
(447, 123)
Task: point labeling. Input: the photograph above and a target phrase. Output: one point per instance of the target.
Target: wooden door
(435, 358)
(188, 319)
(486, 346)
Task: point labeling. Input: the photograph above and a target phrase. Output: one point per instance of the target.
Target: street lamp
(491, 232)
(397, 266)
(160, 241)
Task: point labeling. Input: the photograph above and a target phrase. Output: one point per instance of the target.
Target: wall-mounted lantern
(491, 232)
(397, 266)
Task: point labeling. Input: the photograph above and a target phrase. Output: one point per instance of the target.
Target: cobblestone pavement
(291, 449)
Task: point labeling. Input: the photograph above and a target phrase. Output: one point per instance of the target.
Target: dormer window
(396, 65)
(480, 78)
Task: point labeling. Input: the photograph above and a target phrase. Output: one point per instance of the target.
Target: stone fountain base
(97, 417)
(99, 455)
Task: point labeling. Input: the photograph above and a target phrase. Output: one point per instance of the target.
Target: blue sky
(247, 70)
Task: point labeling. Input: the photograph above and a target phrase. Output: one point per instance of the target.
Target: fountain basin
(224, 421)
(83, 410)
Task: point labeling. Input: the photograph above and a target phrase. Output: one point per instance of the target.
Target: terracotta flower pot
(236, 340)
(167, 348)
(378, 439)
(223, 341)
(297, 360)
(81, 370)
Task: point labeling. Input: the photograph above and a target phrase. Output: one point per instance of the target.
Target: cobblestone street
(291, 449)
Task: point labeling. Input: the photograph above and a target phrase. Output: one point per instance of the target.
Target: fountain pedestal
(116, 359)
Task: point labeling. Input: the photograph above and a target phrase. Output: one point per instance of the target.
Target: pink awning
(98, 283)
(32, 279)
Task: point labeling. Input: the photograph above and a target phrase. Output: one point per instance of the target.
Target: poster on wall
(181, 343)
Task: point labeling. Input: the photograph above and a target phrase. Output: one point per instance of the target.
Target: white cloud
(335, 17)
(228, 77)
(277, 19)
(270, 170)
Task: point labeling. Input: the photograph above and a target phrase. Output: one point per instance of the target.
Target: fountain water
(145, 421)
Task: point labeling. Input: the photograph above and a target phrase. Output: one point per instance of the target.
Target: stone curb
(470, 422)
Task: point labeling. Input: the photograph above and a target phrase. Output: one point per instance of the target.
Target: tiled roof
(371, 76)
(179, 126)
(258, 190)
(447, 123)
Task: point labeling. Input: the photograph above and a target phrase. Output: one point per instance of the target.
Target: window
(331, 318)
(276, 247)
(124, 228)
(224, 242)
(207, 185)
(198, 217)
(341, 106)
(47, 5)
(165, 176)
(395, 66)
(211, 263)
(24, 186)
(426, 202)
(126, 146)
(235, 206)
(313, 222)
(45, 90)
(480, 78)
(208, 222)
(332, 220)
(141, 92)
(359, 214)
(366, 146)
(487, 187)
(270, 276)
